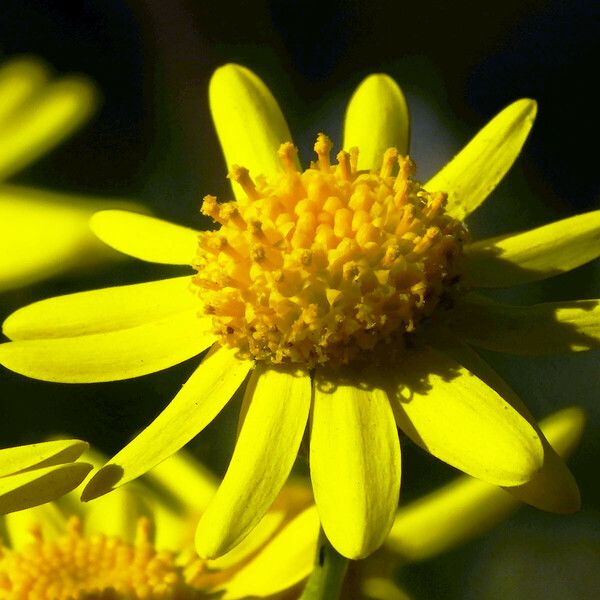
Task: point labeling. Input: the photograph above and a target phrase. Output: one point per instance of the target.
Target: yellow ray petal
(31, 488)
(45, 120)
(262, 460)
(533, 255)
(249, 122)
(284, 562)
(553, 488)
(44, 233)
(21, 524)
(199, 401)
(477, 169)
(436, 522)
(117, 514)
(110, 356)
(354, 462)
(255, 540)
(146, 238)
(376, 119)
(540, 329)
(103, 310)
(44, 454)
(20, 78)
(200, 484)
(454, 415)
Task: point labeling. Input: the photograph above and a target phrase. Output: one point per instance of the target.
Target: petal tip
(104, 481)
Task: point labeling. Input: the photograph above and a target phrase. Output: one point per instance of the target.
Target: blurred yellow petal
(198, 402)
(44, 454)
(468, 507)
(31, 488)
(116, 514)
(455, 416)
(264, 454)
(354, 462)
(20, 78)
(103, 310)
(533, 255)
(43, 121)
(146, 238)
(539, 329)
(255, 540)
(200, 484)
(249, 122)
(380, 588)
(20, 525)
(476, 170)
(110, 356)
(284, 562)
(553, 488)
(377, 119)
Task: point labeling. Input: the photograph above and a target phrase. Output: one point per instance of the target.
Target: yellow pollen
(75, 567)
(316, 267)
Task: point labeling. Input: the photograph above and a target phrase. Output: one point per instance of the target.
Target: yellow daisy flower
(38, 473)
(139, 541)
(41, 233)
(345, 295)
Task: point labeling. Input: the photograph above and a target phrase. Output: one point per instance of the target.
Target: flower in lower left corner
(37, 473)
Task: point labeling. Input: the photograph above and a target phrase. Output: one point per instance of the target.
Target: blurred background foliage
(459, 63)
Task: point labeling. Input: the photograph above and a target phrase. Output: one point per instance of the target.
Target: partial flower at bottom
(344, 298)
(38, 473)
(138, 543)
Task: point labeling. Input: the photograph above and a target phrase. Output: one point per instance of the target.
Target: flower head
(344, 293)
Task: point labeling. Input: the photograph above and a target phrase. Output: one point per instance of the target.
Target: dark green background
(459, 63)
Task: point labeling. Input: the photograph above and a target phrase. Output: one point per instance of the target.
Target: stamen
(317, 267)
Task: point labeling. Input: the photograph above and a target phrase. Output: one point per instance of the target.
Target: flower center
(74, 567)
(316, 267)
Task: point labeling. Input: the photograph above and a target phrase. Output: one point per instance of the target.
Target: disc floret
(318, 266)
(98, 567)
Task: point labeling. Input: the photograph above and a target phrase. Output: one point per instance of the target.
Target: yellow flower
(38, 473)
(41, 233)
(287, 289)
(138, 542)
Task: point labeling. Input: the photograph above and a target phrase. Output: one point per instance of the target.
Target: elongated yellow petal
(354, 462)
(540, 329)
(284, 562)
(533, 255)
(200, 484)
(44, 454)
(468, 507)
(476, 170)
(20, 525)
(31, 488)
(262, 460)
(45, 120)
(20, 78)
(110, 356)
(117, 514)
(249, 122)
(553, 488)
(377, 119)
(454, 415)
(255, 540)
(103, 310)
(199, 401)
(146, 238)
